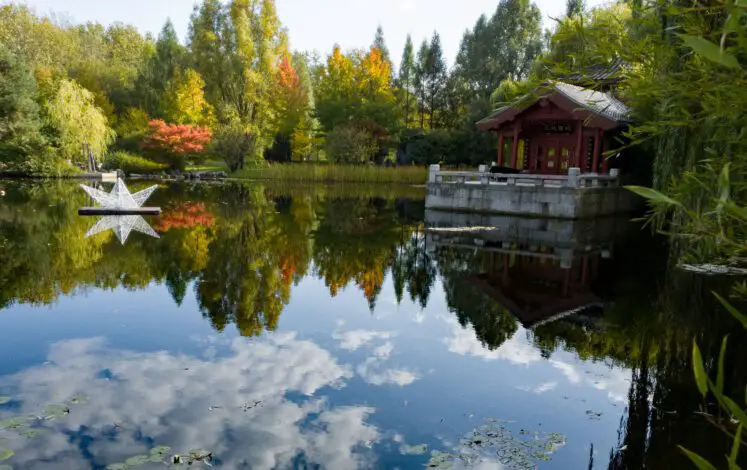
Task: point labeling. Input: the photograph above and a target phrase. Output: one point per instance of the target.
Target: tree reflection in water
(242, 247)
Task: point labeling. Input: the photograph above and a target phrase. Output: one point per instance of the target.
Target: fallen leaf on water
(4, 400)
(413, 450)
(13, 423)
(137, 460)
(5, 454)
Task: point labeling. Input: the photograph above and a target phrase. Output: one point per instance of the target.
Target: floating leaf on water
(31, 433)
(156, 458)
(4, 400)
(199, 455)
(5, 454)
(160, 450)
(413, 450)
(137, 460)
(117, 466)
(13, 423)
(78, 400)
(56, 411)
(6, 467)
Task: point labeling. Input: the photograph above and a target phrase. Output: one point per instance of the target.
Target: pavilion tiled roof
(597, 102)
(603, 104)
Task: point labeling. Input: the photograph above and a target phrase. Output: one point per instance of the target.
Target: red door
(551, 155)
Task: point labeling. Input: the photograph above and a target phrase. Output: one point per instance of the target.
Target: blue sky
(314, 24)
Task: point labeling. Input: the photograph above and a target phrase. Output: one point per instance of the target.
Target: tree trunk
(433, 111)
(407, 108)
(422, 113)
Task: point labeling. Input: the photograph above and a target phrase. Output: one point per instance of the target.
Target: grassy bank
(329, 173)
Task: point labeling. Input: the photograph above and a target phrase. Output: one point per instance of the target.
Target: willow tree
(78, 122)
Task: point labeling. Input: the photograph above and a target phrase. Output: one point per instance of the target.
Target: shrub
(234, 144)
(350, 144)
(174, 144)
(131, 163)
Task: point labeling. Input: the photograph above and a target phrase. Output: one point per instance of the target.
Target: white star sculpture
(120, 198)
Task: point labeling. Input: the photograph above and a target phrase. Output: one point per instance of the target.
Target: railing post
(432, 170)
(615, 173)
(484, 177)
(574, 175)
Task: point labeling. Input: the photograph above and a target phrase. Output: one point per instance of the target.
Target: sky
(315, 24)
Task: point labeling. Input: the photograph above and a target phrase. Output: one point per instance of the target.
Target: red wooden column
(515, 147)
(501, 144)
(579, 144)
(597, 149)
(605, 161)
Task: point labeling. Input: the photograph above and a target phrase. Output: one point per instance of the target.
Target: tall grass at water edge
(336, 173)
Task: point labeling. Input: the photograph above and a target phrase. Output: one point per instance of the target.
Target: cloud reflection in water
(166, 399)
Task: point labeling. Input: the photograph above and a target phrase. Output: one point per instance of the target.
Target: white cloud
(568, 370)
(375, 372)
(545, 387)
(515, 350)
(385, 350)
(168, 397)
(352, 340)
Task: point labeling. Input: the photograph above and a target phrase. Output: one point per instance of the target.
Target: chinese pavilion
(561, 126)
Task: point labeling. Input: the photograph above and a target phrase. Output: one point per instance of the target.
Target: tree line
(235, 90)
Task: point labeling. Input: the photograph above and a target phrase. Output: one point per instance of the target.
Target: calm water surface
(342, 328)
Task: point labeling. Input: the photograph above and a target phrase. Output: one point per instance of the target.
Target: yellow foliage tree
(186, 102)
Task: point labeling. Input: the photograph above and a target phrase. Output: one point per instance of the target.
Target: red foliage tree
(175, 143)
(186, 215)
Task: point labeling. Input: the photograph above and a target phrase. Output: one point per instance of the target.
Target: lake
(343, 327)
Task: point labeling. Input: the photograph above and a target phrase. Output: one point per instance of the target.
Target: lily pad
(56, 411)
(413, 450)
(199, 456)
(4, 400)
(137, 460)
(5, 454)
(13, 423)
(160, 450)
(117, 466)
(31, 433)
(156, 458)
(76, 400)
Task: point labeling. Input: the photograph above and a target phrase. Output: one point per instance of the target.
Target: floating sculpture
(120, 201)
(122, 225)
(121, 209)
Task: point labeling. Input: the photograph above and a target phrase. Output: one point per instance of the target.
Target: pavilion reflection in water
(540, 270)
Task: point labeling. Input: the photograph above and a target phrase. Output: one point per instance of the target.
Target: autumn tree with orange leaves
(175, 144)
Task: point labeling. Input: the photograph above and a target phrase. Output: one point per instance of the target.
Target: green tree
(435, 77)
(406, 79)
(77, 121)
(502, 47)
(350, 144)
(162, 68)
(236, 49)
(575, 8)
(336, 97)
(380, 44)
(20, 124)
(421, 67)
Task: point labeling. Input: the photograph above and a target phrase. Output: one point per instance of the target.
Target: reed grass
(329, 173)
